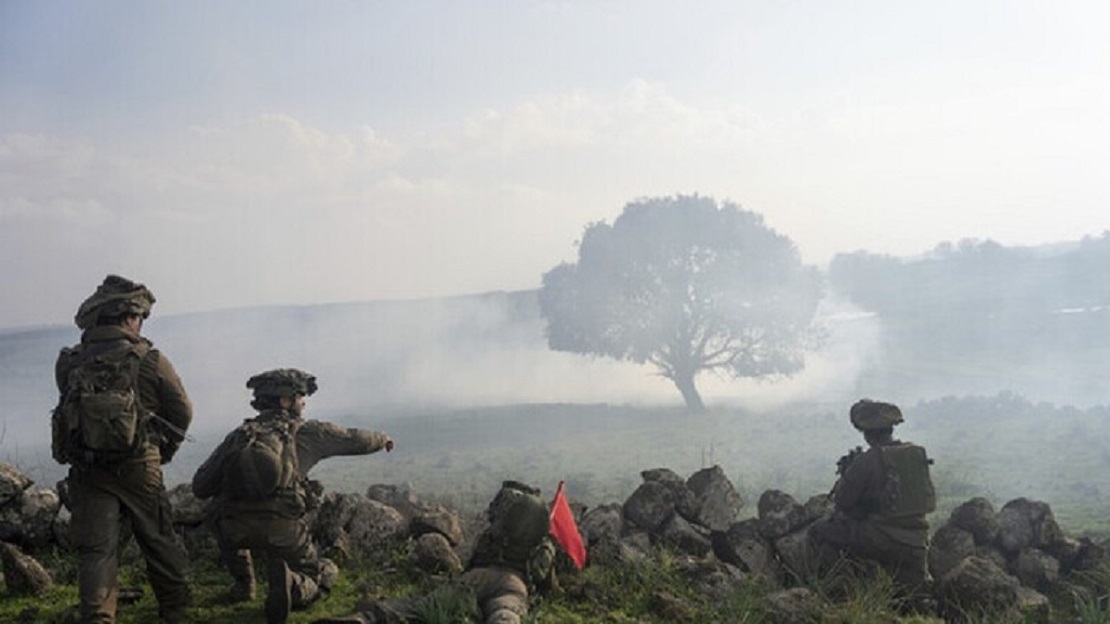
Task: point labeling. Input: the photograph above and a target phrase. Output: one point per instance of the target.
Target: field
(1000, 447)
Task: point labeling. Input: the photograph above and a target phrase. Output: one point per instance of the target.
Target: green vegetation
(998, 447)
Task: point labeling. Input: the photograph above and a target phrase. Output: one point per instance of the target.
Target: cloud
(275, 209)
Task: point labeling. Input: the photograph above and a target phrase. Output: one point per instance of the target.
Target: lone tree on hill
(688, 286)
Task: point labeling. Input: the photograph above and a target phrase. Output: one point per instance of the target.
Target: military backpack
(519, 523)
(907, 486)
(100, 419)
(263, 461)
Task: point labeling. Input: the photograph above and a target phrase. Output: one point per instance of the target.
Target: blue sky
(247, 153)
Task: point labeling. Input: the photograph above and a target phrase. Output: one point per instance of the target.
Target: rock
(1033, 606)
(978, 584)
(635, 547)
(374, 526)
(1066, 551)
(1090, 555)
(29, 519)
(433, 554)
(977, 517)
(439, 520)
(684, 536)
(818, 507)
(348, 524)
(1035, 569)
(650, 505)
(950, 545)
(399, 497)
(601, 525)
(1023, 523)
(718, 502)
(744, 546)
(685, 502)
(23, 575)
(799, 554)
(188, 510)
(779, 514)
(12, 483)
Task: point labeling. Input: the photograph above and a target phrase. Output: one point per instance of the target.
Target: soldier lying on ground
(512, 560)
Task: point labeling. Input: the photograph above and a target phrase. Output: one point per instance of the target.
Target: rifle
(842, 465)
(846, 460)
(172, 428)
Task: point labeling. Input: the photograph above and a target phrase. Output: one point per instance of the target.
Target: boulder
(978, 584)
(684, 536)
(685, 502)
(432, 553)
(399, 497)
(23, 575)
(650, 505)
(28, 520)
(12, 483)
(780, 514)
(601, 525)
(950, 545)
(743, 545)
(188, 510)
(437, 520)
(977, 516)
(374, 526)
(1024, 523)
(718, 502)
(1035, 569)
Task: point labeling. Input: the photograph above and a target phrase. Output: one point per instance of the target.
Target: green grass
(996, 447)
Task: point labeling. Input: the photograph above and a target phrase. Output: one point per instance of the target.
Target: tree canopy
(689, 286)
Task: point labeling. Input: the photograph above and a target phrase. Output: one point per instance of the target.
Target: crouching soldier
(259, 478)
(881, 500)
(513, 559)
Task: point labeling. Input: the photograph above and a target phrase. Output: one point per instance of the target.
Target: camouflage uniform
(898, 544)
(102, 496)
(499, 577)
(277, 526)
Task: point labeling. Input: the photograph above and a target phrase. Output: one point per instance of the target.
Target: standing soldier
(881, 499)
(122, 412)
(259, 477)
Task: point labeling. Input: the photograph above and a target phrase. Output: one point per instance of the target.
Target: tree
(688, 286)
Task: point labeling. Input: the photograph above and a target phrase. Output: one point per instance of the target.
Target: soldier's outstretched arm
(318, 440)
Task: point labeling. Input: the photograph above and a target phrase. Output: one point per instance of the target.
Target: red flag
(564, 529)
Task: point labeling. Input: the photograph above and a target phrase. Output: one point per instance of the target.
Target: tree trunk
(690, 395)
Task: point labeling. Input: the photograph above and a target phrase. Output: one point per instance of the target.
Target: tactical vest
(907, 487)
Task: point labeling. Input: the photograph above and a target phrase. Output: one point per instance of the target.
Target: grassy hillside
(999, 447)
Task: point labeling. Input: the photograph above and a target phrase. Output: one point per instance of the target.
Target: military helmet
(867, 414)
(116, 296)
(282, 382)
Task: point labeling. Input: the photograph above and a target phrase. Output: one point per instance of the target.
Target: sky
(275, 152)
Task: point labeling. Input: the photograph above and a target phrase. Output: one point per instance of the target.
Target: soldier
(122, 412)
(259, 478)
(512, 559)
(881, 500)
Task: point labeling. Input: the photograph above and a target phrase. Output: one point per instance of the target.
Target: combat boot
(279, 597)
